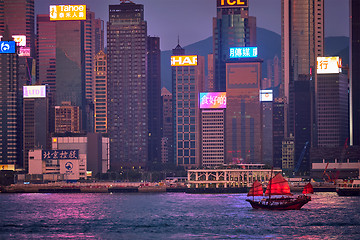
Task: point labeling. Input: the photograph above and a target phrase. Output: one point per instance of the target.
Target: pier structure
(232, 176)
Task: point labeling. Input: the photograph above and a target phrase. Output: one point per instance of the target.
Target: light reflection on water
(173, 216)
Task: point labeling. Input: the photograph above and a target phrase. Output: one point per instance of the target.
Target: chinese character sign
(60, 154)
(67, 12)
(7, 47)
(213, 100)
(326, 65)
(243, 52)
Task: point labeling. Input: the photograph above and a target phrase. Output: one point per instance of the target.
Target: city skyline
(199, 14)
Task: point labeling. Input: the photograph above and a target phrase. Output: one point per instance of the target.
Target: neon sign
(243, 52)
(184, 60)
(67, 12)
(213, 100)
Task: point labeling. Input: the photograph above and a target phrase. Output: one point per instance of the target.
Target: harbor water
(172, 216)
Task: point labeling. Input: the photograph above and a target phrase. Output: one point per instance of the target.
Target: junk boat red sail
(278, 185)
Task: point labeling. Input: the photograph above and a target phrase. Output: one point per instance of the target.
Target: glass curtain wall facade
(127, 85)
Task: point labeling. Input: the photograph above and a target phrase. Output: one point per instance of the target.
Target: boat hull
(290, 204)
(348, 192)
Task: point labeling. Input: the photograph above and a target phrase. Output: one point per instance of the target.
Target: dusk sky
(192, 19)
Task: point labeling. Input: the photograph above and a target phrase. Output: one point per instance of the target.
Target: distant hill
(269, 46)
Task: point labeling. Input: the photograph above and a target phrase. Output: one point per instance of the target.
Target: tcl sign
(184, 60)
(232, 3)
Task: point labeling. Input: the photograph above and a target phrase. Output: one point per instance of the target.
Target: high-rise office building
(46, 53)
(167, 136)
(232, 27)
(127, 85)
(332, 104)
(210, 83)
(302, 41)
(354, 72)
(90, 40)
(188, 72)
(67, 118)
(154, 98)
(278, 130)
(100, 93)
(17, 17)
(10, 136)
(70, 69)
(36, 124)
(243, 112)
(212, 136)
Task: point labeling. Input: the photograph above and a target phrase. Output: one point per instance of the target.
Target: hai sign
(213, 100)
(184, 60)
(67, 12)
(231, 3)
(328, 65)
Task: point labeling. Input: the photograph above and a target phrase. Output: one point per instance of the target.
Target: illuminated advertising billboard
(326, 65)
(7, 47)
(10, 167)
(60, 154)
(67, 12)
(243, 52)
(20, 40)
(266, 95)
(24, 52)
(231, 3)
(38, 91)
(184, 60)
(212, 100)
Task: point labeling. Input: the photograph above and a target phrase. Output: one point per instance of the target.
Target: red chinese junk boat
(278, 185)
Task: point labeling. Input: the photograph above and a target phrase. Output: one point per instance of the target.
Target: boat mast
(270, 184)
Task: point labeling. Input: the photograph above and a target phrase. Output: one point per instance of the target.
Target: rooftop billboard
(38, 91)
(67, 12)
(24, 52)
(243, 52)
(212, 100)
(184, 60)
(266, 95)
(231, 3)
(20, 40)
(328, 65)
(7, 47)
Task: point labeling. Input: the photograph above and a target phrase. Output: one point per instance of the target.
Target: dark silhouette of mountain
(269, 46)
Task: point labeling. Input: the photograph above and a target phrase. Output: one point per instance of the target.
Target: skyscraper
(10, 149)
(354, 72)
(154, 98)
(188, 81)
(243, 112)
(36, 123)
(167, 136)
(70, 66)
(302, 41)
(232, 27)
(127, 85)
(100, 93)
(17, 17)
